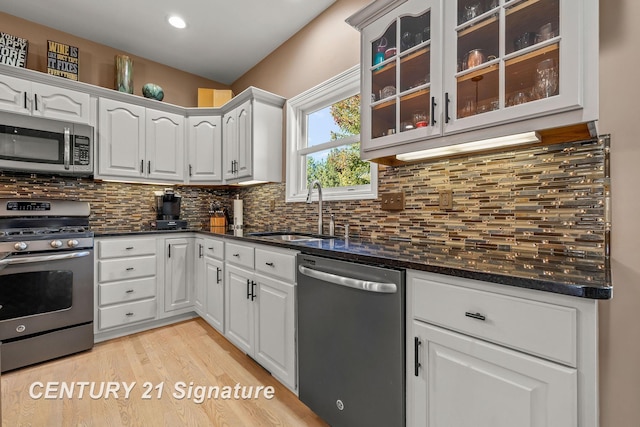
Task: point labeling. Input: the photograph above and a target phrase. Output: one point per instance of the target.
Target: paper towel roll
(237, 217)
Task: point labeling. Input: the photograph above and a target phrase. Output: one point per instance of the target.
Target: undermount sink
(290, 236)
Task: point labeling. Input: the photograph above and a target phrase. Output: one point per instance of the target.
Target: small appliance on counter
(168, 211)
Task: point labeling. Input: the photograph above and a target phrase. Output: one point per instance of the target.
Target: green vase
(153, 91)
(124, 74)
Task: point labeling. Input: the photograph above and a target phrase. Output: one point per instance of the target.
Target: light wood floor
(188, 351)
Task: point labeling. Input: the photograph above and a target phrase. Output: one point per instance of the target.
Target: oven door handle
(43, 258)
(67, 148)
(364, 285)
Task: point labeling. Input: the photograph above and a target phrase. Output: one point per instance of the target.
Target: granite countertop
(585, 277)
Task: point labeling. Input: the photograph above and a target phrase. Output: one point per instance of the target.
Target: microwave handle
(67, 148)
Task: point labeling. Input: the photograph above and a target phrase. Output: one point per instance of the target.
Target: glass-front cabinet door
(510, 59)
(402, 67)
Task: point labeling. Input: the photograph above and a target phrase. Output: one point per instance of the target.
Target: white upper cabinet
(42, 100)
(121, 139)
(438, 73)
(252, 137)
(238, 142)
(205, 149)
(401, 75)
(141, 143)
(165, 145)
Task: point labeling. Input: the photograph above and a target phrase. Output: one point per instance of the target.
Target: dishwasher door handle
(364, 285)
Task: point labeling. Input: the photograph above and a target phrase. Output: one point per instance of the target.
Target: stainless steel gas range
(46, 280)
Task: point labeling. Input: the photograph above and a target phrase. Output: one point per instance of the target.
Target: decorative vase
(153, 91)
(124, 74)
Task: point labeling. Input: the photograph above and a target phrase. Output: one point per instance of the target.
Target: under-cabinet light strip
(485, 144)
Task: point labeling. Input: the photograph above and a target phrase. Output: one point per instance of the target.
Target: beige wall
(323, 49)
(97, 63)
(328, 46)
(620, 317)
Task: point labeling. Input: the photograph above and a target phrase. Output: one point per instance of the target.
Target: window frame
(336, 89)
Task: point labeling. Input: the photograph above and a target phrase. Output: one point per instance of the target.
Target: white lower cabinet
(125, 281)
(260, 306)
(465, 381)
(178, 286)
(488, 355)
(209, 281)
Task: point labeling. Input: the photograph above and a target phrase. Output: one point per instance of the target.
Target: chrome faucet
(316, 183)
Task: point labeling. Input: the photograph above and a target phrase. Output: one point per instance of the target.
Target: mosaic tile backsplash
(548, 199)
(115, 206)
(545, 199)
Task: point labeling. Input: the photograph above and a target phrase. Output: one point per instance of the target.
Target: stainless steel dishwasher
(351, 342)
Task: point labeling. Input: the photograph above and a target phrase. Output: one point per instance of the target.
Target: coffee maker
(168, 211)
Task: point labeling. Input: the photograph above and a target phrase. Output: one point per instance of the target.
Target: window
(323, 142)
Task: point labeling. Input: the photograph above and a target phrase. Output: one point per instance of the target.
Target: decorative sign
(62, 60)
(13, 50)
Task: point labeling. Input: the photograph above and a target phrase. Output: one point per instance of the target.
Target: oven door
(44, 292)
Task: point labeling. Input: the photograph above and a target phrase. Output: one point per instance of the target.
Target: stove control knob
(20, 246)
(72, 243)
(56, 244)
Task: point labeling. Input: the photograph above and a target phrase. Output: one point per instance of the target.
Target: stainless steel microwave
(38, 145)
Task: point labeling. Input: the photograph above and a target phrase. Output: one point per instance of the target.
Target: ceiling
(223, 38)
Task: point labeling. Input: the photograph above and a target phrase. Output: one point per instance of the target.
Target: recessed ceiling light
(177, 22)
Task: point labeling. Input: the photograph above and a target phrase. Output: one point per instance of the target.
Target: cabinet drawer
(122, 315)
(239, 254)
(128, 290)
(276, 264)
(126, 248)
(542, 329)
(213, 248)
(129, 268)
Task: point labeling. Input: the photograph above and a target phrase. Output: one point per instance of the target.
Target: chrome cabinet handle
(475, 316)
(364, 285)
